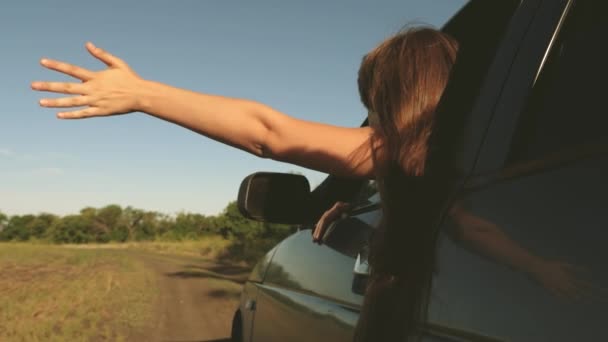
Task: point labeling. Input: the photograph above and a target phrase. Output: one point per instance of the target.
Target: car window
(368, 194)
(522, 257)
(567, 106)
(302, 265)
(525, 259)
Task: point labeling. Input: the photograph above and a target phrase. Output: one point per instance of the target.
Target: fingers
(60, 87)
(107, 58)
(80, 114)
(68, 69)
(576, 269)
(322, 224)
(75, 101)
(331, 215)
(569, 282)
(320, 227)
(337, 211)
(318, 232)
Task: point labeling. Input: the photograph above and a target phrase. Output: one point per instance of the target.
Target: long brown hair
(400, 83)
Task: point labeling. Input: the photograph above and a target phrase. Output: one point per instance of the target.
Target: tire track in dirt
(197, 298)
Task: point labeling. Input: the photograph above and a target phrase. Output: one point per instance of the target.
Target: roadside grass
(211, 247)
(52, 293)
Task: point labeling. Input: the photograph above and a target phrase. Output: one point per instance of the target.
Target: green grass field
(210, 247)
(54, 293)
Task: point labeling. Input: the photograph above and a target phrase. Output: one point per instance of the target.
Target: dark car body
(529, 127)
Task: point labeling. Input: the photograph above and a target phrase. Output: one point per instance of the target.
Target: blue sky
(298, 57)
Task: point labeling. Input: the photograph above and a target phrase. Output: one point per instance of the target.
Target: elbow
(272, 143)
(269, 146)
(265, 142)
(260, 148)
(263, 150)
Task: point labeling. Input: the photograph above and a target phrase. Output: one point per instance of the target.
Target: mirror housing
(275, 198)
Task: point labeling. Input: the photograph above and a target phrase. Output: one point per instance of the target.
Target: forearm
(240, 123)
(487, 239)
(261, 130)
(496, 245)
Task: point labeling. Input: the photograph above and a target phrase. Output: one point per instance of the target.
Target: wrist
(145, 91)
(535, 265)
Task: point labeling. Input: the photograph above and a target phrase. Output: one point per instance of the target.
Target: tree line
(113, 223)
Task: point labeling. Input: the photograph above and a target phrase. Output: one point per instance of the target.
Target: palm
(107, 92)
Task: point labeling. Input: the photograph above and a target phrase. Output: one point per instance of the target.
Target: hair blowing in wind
(400, 83)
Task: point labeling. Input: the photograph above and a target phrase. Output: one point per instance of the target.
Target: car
(525, 135)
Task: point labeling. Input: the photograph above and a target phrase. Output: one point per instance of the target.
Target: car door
(522, 254)
(310, 292)
(245, 317)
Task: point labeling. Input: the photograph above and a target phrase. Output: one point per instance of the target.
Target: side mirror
(275, 197)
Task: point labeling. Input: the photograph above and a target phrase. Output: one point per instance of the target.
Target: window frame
(526, 67)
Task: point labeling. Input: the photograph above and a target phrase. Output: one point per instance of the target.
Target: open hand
(560, 279)
(108, 92)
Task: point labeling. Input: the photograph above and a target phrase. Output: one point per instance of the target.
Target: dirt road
(197, 298)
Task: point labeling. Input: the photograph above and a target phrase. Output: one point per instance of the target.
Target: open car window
(368, 194)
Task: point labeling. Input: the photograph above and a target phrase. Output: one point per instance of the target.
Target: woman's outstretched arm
(244, 124)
